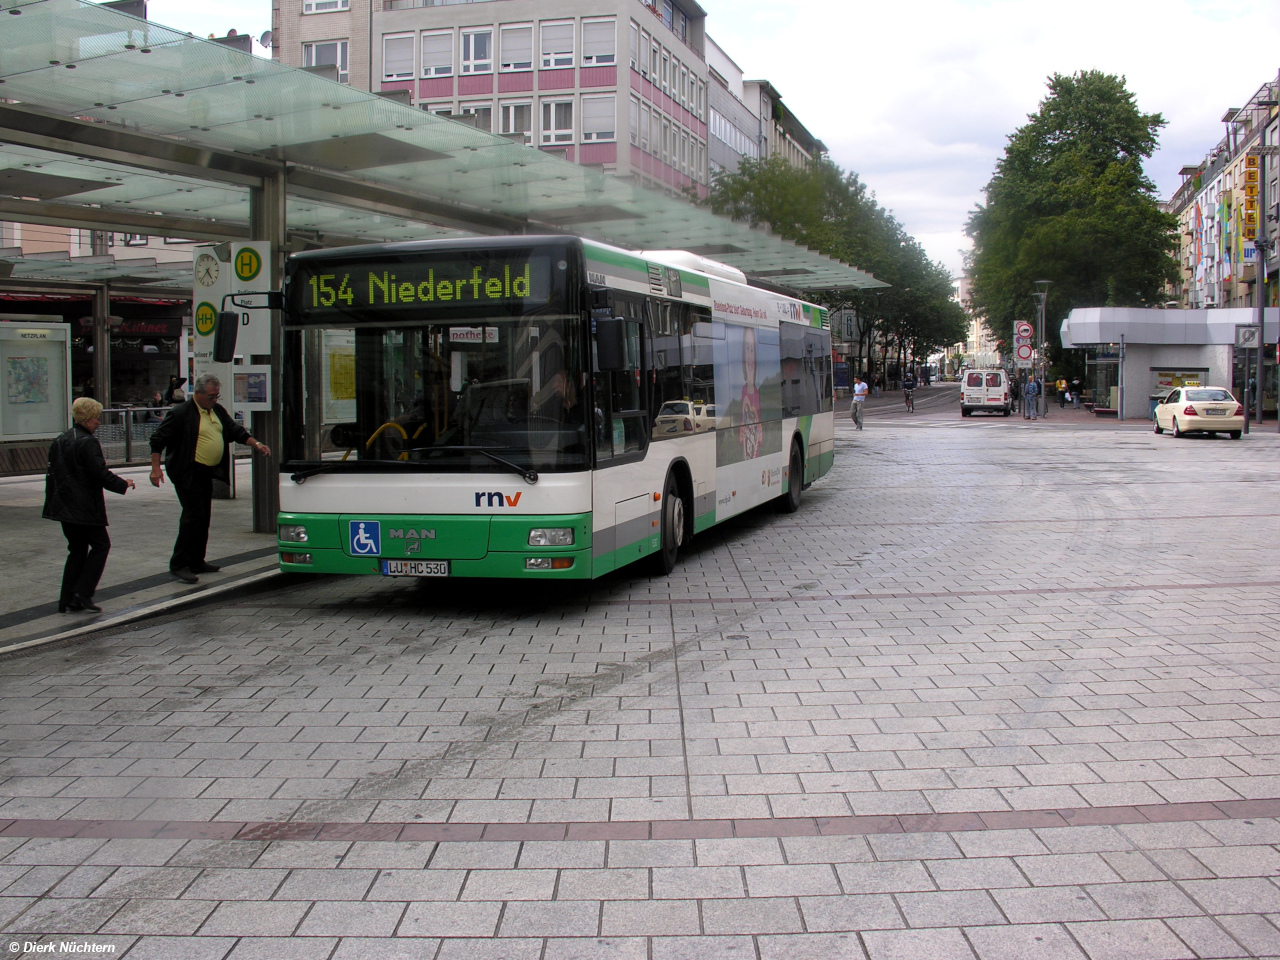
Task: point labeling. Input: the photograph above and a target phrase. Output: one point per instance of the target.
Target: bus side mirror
(224, 336)
(610, 344)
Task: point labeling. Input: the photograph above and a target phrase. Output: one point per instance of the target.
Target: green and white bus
(537, 406)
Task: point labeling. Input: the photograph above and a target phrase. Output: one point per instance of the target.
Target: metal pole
(1042, 401)
(1120, 383)
(267, 217)
(101, 346)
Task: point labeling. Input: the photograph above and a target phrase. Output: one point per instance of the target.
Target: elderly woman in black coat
(73, 495)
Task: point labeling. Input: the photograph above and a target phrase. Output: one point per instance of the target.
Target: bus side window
(669, 393)
(697, 353)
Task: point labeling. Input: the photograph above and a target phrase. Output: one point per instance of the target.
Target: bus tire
(671, 528)
(789, 502)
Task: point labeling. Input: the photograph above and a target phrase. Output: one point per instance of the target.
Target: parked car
(1200, 410)
(985, 390)
(677, 417)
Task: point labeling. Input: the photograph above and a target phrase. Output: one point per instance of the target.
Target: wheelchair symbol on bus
(366, 537)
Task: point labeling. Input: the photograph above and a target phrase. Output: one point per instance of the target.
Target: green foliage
(828, 210)
(1070, 203)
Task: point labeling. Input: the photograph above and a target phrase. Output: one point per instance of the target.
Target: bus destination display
(401, 285)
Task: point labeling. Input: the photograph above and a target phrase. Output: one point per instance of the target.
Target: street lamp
(1041, 295)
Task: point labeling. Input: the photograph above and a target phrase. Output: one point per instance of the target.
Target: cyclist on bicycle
(859, 397)
(908, 386)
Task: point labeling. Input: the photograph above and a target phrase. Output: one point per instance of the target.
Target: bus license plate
(415, 568)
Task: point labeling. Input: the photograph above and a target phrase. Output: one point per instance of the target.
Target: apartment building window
(327, 53)
(666, 142)
(635, 122)
(557, 45)
(685, 100)
(516, 119)
(599, 118)
(134, 239)
(635, 46)
(655, 133)
(325, 6)
(483, 113)
(599, 42)
(666, 72)
(655, 62)
(701, 110)
(644, 127)
(477, 51)
(557, 121)
(439, 109)
(437, 54)
(397, 57)
(517, 48)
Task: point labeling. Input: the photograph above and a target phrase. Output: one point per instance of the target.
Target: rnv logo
(497, 498)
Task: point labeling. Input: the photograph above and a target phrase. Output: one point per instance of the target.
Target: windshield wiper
(527, 473)
(330, 465)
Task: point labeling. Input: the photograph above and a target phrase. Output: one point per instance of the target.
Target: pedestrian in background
(1031, 393)
(1062, 393)
(1075, 394)
(197, 434)
(859, 397)
(876, 384)
(73, 496)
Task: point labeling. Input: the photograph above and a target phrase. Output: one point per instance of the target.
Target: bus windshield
(451, 395)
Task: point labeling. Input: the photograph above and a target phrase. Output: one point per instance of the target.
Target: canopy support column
(267, 222)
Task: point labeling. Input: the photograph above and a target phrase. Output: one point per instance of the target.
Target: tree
(823, 208)
(1069, 202)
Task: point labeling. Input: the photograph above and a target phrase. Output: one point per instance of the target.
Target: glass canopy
(72, 59)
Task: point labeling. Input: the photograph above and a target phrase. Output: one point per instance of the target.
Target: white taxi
(1200, 410)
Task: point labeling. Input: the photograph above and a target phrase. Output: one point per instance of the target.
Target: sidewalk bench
(1104, 411)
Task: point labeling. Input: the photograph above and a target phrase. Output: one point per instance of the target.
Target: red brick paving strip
(643, 829)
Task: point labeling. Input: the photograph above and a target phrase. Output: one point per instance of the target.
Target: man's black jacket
(77, 476)
(180, 430)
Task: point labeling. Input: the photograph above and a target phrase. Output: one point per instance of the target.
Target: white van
(985, 390)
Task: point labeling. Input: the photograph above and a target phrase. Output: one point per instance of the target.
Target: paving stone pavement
(998, 691)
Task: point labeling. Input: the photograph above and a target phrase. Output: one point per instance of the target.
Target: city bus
(536, 406)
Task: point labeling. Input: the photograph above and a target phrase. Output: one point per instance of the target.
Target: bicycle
(908, 400)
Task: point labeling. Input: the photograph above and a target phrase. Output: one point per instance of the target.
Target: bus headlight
(548, 563)
(551, 537)
(293, 533)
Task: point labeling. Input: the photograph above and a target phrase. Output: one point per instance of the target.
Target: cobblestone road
(999, 690)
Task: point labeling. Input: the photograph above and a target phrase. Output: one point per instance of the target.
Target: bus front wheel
(671, 528)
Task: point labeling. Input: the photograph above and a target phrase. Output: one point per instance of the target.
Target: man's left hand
(263, 449)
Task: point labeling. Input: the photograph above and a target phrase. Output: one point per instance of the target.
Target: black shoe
(80, 603)
(65, 605)
(205, 568)
(185, 575)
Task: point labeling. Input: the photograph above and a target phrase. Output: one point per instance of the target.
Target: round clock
(206, 270)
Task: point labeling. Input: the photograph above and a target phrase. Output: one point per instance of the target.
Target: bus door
(620, 397)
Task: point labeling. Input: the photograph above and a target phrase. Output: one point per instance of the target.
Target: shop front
(1134, 355)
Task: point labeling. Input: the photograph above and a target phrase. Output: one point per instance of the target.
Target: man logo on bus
(365, 537)
(496, 498)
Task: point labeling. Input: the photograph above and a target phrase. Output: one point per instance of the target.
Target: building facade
(1217, 206)
(617, 84)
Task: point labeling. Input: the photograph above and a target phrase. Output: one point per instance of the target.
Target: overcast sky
(918, 98)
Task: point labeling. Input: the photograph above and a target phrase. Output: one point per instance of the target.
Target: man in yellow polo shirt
(197, 434)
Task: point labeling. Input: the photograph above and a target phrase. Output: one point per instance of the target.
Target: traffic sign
(1023, 352)
(1248, 336)
(1023, 329)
